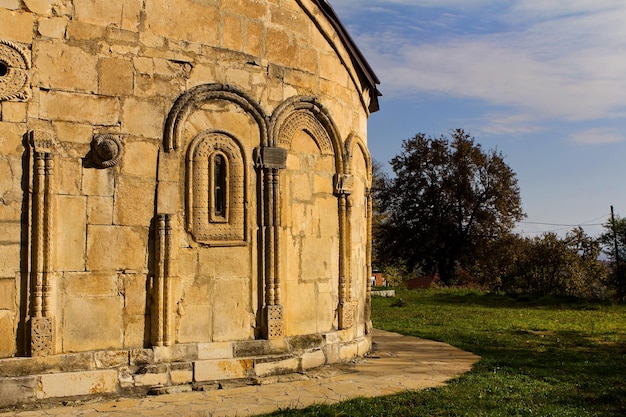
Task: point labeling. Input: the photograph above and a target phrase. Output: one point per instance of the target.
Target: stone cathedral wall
(184, 194)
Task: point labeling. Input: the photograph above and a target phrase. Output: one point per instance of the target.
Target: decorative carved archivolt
(106, 150)
(216, 195)
(303, 120)
(14, 66)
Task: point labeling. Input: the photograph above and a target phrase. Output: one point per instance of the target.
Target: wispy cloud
(550, 59)
(598, 136)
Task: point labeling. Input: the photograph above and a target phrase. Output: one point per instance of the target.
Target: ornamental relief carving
(215, 190)
(303, 120)
(14, 77)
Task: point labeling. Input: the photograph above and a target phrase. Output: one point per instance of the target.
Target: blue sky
(543, 81)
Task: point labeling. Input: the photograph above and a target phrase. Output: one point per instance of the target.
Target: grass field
(540, 356)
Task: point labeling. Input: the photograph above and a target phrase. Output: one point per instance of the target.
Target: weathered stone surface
(213, 370)
(313, 359)
(223, 350)
(111, 248)
(7, 326)
(16, 25)
(79, 108)
(77, 383)
(76, 68)
(72, 222)
(181, 373)
(93, 324)
(284, 366)
(53, 27)
(115, 77)
(16, 390)
(134, 199)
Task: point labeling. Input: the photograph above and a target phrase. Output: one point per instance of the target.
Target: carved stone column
(162, 288)
(270, 160)
(344, 186)
(42, 194)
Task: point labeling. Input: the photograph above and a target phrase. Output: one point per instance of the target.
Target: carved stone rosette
(14, 77)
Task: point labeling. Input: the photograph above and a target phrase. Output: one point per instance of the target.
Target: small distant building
(423, 282)
(378, 280)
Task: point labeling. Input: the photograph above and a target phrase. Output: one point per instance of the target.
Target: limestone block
(100, 210)
(110, 359)
(6, 176)
(124, 14)
(181, 373)
(348, 351)
(9, 259)
(143, 117)
(195, 325)
(73, 132)
(313, 359)
(183, 19)
(98, 182)
(151, 375)
(284, 366)
(231, 314)
(77, 383)
(134, 202)
(141, 357)
(92, 324)
(7, 327)
(175, 353)
(116, 248)
(13, 111)
(92, 109)
(134, 293)
(84, 31)
(90, 284)
(232, 37)
(223, 350)
(224, 262)
(68, 171)
(140, 158)
(255, 9)
(7, 294)
(253, 39)
(135, 330)
(168, 197)
(301, 187)
(144, 65)
(53, 27)
(211, 370)
(39, 6)
(293, 20)
(16, 25)
(300, 302)
(280, 48)
(11, 136)
(74, 68)
(251, 348)
(115, 77)
(11, 4)
(364, 345)
(71, 224)
(15, 390)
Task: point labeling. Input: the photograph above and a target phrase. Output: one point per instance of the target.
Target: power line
(587, 223)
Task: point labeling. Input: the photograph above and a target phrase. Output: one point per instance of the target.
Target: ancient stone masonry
(182, 199)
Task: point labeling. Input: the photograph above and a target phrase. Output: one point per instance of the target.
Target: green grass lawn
(540, 357)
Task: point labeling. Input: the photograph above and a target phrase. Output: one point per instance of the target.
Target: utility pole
(618, 269)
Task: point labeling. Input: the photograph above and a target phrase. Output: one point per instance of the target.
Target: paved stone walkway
(397, 363)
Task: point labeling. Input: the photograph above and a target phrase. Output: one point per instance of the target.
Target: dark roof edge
(355, 53)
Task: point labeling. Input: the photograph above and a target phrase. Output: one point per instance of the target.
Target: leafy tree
(614, 237)
(448, 198)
